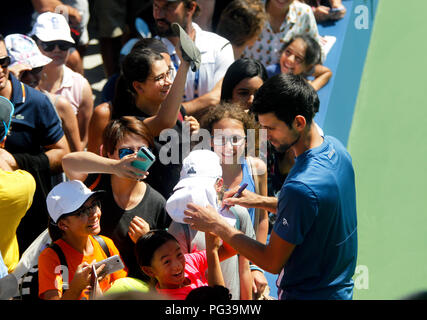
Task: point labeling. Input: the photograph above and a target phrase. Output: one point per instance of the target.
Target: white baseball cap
(23, 49)
(51, 26)
(67, 197)
(200, 170)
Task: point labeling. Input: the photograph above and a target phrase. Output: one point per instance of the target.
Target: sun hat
(200, 170)
(67, 197)
(24, 50)
(51, 26)
(6, 113)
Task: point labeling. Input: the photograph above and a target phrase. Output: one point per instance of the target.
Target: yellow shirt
(16, 196)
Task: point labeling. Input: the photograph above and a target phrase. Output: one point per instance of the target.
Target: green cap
(190, 53)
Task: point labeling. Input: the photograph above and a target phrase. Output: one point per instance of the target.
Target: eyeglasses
(162, 77)
(87, 210)
(50, 45)
(4, 62)
(298, 59)
(235, 140)
(127, 151)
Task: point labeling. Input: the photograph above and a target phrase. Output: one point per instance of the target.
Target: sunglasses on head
(5, 61)
(50, 45)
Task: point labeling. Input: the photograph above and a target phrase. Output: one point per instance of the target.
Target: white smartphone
(112, 264)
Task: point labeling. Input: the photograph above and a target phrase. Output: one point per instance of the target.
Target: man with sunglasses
(36, 141)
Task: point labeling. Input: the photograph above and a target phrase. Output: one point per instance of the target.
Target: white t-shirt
(216, 56)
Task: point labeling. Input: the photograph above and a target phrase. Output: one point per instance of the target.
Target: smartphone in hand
(93, 283)
(149, 157)
(335, 11)
(112, 264)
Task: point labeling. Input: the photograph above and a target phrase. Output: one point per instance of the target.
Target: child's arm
(321, 76)
(169, 110)
(215, 276)
(245, 275)
(225, 251)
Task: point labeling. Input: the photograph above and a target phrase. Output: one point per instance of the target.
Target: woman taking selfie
(131, 206)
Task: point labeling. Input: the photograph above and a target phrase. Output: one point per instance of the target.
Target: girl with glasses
(74, 223)
(131, 207)
(145, 89)
(229, 126)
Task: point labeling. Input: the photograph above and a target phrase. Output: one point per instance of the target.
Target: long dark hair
(239, 70)
(136, 66)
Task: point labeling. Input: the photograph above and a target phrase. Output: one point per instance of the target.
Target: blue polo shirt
(317, 213)
(35, 122)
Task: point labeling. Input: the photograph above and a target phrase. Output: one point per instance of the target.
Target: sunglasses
(5, 61)
(235, 140)
(87, 210)
(127, 151)
(50, 45)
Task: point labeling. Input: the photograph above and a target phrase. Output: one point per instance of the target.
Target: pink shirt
(196, 264)
(72, 87)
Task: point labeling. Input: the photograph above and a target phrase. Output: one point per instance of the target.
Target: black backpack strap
(102, 244)
(60, 254)
(62, 261)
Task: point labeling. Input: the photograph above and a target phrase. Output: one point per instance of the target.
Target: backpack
(28, 284)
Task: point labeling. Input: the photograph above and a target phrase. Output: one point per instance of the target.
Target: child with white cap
(201, 183)
(75, 214)
(53, 36)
